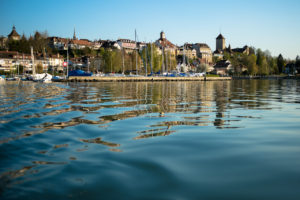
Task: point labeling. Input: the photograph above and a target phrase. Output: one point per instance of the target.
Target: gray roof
(220, 36)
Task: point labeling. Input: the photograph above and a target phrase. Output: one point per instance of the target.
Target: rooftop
(220, 36)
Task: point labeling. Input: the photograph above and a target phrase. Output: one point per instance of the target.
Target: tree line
(148, 60)
(39, 41)
(259, 62)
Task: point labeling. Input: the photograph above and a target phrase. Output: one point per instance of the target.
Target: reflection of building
(14, 35)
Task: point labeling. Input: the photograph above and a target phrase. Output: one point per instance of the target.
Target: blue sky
(265, 24)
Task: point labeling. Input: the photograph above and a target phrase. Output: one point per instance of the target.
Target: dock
(142, 79)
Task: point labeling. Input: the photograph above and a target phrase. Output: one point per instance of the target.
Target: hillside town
(134, 57)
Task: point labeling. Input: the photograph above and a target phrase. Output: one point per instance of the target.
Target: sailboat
(184, 67)
(44, 77)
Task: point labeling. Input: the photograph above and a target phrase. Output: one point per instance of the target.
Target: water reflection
(209, 103)
(46, 126)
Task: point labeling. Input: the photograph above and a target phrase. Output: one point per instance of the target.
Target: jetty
(142, 78)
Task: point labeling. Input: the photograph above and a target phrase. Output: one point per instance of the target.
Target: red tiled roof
(166, 43)
(81, 42)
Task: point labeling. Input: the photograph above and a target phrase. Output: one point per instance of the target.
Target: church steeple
(74, 36)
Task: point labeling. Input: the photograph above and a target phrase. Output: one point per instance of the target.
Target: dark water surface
(168, 140)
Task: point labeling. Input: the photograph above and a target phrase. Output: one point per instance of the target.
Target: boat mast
(122, 60)
(151, 58)
(136, 57)
(167, 61)
(67, 60)
(18, 63)
(162, 65)
(146, 57)
(183, 61)
(32, 60)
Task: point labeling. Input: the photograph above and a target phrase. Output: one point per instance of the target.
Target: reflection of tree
(222, 93)
(135, 99)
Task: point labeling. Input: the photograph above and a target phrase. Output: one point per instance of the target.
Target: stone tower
(162, 35)
(220, 42)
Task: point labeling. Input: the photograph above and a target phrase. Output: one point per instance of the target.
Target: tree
(251, 50)
(264, 70)
(24, 45)
(280, 63)
(40, 42)
(13, 45)
(251, 64)
(259, 57)
(39, 68)
(297, 64)
(202, 68)
(272, 66)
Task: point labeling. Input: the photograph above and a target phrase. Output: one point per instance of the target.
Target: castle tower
(220, 42)
(162, 35)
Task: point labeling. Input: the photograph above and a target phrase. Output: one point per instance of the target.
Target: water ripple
(106, 139)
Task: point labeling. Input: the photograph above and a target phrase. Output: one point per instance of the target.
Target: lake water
(164, 140)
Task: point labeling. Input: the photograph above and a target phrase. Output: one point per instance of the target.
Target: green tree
(259, 57)
(297, 63)
(251, 64)
(39, 68)
(263, 70)
(273, 69)
(280, 63)
(112, 61)
(13, 45)
(24, 45)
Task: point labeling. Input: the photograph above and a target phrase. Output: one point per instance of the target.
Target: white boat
(2, 80)
(44, 77)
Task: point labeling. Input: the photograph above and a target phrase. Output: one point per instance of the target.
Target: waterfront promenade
(142, 78)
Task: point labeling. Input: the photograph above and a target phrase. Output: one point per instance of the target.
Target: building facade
(203, 52)
(128, 45)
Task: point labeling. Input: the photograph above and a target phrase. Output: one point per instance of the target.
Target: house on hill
(223, 67)
(128, 45)
(243, 50)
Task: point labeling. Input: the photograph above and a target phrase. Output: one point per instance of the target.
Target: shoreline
(142, 79)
